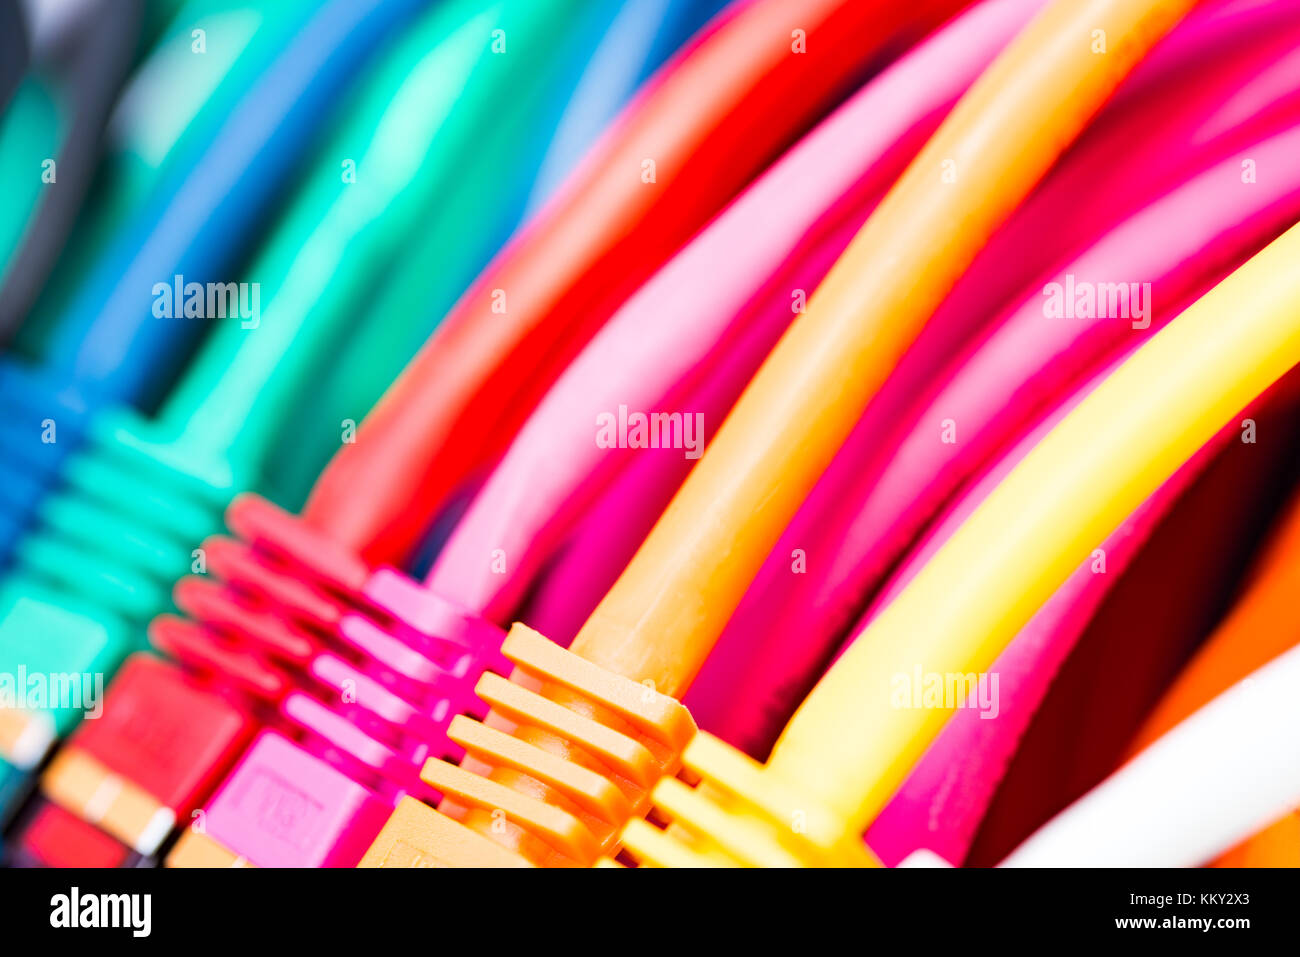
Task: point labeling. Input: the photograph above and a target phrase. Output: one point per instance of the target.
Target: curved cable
(1223, 773)
(1163, 256)
(89, 66)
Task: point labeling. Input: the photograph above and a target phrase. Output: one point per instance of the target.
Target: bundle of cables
(535, 433)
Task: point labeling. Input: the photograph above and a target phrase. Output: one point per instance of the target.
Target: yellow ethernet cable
(577, 738)
(847, 749)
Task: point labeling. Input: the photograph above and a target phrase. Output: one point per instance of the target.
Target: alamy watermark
(1082, 299)
(651, 430)
(56, 690)
(214, 300)
(133, 912)
(945, 689)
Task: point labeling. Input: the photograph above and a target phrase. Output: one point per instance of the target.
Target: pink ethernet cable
(709, 316)
(306, 797)
(386, 695)
(320, 780)
(878, 496)
(375, 735)
(390, 697)
(352, 764)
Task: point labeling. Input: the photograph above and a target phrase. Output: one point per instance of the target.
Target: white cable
(1226, 772)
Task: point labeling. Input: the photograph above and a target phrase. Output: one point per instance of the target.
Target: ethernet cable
(213, 434)
(141, 499)
(167, 114)
(436, 266)
(699, 328)
(135, 503)
(1208, 59)
(275, 131)
(458, 403)
(942, 805)
(1153, 618)
(1200, 231)
(596, 726)
(456, 629)
(641, 37)
(847, 749)
(113, 345)
(146, 141)
(611, 530)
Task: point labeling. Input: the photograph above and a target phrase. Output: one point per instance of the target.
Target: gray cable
(89, 58)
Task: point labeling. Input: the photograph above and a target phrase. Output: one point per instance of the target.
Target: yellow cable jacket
(848, 745)
(661, 618)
